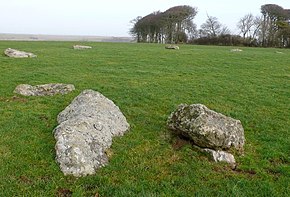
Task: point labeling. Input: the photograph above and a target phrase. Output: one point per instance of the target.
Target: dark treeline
(172, 26)
(270, 29)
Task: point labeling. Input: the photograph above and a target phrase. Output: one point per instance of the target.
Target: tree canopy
(275, 26)
(172, 26)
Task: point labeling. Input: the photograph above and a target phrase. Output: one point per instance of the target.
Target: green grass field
(148, 82)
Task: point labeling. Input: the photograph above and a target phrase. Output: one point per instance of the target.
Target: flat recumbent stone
(86, 128)
(44, 90)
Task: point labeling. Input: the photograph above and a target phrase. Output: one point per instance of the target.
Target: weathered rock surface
(220, 156)
(85, 131)
(81, 47)
(17, 54)
(172, 47)
(44, 90)
(207, 128)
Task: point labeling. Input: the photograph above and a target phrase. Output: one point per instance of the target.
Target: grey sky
(108, 17)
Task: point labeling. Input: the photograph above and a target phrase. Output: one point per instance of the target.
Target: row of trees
(173, 25)
(270, 29)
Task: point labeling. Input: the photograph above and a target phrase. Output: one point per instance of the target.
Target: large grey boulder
(81, 47)
(85, 131)
(44, 90)
(17, 54)
(207, 128)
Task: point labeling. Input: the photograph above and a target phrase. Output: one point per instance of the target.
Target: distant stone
(18, 54)
(85, 132)
(172, 47)
(44, 90)
(81, 47)
(220, 156)
(236, 50)
(207, 128)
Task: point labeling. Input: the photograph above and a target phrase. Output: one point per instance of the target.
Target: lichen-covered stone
(81, 47)
(85, 131)
(207, 128)
(220, 156)
(78, 152)
(175, 47)
(95, 105)
(236, 50)
(44, 90)
(18, 54)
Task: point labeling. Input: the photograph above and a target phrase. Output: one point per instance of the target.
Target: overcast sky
(111, 18)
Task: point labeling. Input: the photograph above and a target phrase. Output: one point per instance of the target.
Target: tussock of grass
(147, 83)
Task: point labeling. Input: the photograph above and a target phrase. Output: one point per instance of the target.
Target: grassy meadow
(148, 82)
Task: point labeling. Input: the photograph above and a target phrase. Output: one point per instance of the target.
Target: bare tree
(213, 28)
(246, 24)
(225, 30)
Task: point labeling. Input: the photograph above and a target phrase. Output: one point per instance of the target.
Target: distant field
(41, 37)
(148, 82)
